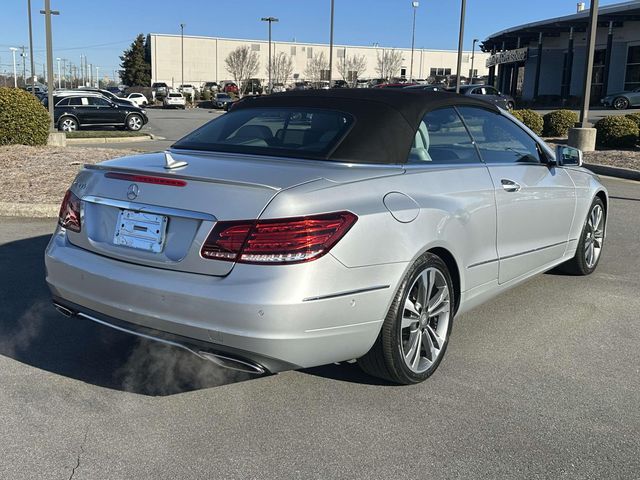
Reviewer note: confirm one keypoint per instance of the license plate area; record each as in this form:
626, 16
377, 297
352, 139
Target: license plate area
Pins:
140, 230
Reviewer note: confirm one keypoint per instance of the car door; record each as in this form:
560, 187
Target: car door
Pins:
455, 186
80, 107
493, 96
105, 112
535, 201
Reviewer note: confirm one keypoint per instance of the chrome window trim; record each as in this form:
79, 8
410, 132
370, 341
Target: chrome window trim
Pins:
141, 207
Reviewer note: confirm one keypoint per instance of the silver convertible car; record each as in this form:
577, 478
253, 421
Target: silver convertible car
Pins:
312, 227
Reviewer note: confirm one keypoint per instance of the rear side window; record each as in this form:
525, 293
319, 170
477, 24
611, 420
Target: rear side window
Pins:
442, 138
499, 139
294, 132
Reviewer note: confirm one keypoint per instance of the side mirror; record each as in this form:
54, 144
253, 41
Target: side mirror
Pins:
568, 156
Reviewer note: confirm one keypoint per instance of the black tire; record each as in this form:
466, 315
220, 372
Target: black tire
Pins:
68, 124
131, 123
620, 103
578, 264
385, 360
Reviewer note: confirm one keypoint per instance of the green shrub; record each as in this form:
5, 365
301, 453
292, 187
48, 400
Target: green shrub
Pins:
558, 123
23, 119
617, 131
531, 119
187, 97
635, 117
206, 95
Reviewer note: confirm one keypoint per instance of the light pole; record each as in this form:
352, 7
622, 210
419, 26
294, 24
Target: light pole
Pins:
47, 12
588, 67
82, 69
473, 55
270, 20
98, 76
182, 25
463, 8
15, 74
33, 68
331, 46
59, 75
415, 6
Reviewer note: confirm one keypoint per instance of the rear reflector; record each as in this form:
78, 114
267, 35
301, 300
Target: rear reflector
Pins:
69, 216
169, 182
277, 242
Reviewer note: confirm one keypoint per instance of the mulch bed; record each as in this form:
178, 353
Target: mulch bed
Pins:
43, 174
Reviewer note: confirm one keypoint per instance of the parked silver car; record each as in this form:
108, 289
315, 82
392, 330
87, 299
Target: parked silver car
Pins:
313, 227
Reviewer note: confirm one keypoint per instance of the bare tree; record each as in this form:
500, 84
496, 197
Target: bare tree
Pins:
352, 68
282, 68
316, 66
242, 64
389, 62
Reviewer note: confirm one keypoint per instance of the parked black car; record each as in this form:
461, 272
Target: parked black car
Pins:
252, 86
221, 100
488, 94
72, 112
109, 95
340, 84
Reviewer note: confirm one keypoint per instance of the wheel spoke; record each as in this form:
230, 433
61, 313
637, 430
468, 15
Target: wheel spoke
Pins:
410, 307
429, 349
413, 355
437, 304
437, 341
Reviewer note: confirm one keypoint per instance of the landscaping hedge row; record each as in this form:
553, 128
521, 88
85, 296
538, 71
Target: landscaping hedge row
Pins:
618, 131
23, 119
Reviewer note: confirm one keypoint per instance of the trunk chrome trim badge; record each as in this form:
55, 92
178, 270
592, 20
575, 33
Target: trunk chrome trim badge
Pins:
171, 162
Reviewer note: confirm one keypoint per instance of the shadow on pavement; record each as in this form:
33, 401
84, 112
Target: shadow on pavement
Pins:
346, 372
34, 333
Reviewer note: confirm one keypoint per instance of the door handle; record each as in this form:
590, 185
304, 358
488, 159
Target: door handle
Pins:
510, 185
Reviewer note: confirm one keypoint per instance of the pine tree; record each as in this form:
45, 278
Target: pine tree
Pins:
136, 67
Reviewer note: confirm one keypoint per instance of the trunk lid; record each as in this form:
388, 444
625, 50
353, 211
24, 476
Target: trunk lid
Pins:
179, 217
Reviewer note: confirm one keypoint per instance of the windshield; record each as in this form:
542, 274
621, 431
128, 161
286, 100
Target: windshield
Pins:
293, 132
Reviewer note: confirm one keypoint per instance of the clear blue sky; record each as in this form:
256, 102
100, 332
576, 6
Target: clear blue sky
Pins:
103, 29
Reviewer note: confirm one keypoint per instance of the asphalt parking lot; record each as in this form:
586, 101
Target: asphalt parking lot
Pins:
542, 382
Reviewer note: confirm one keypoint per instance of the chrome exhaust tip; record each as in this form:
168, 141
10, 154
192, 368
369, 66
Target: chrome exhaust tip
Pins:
64, 310
232, 363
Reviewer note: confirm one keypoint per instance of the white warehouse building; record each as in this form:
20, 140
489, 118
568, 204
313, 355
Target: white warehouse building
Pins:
204, 59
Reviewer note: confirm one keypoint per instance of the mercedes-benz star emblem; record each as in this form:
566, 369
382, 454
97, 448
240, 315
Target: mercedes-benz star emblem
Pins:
132, 191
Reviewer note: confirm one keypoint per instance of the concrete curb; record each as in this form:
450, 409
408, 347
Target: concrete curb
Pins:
81, 141
34, 210
616, 172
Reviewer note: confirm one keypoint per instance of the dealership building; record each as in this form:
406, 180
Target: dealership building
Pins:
204, 59
545, 61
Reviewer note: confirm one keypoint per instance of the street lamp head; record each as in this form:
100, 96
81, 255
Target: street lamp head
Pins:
415, 4
269, 19
13, 49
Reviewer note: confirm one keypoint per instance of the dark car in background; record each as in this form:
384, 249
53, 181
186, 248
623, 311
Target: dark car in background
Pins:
159, 90
110, 95
89, 109
488, 94
220, 100
622, 100
252, 86
340, 84
424, 87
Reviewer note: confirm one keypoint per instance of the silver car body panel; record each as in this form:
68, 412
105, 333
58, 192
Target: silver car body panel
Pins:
330, 309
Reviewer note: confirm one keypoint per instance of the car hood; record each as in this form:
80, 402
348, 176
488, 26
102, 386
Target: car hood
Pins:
617, 94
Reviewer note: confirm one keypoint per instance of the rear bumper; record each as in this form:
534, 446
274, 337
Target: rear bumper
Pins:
281, 317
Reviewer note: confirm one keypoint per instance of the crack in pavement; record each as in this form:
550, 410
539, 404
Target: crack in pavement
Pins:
84, 441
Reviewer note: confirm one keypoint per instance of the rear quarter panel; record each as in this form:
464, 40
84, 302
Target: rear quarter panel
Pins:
456, 212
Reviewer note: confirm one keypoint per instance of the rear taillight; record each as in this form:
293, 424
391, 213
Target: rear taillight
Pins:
281, 241
69, 216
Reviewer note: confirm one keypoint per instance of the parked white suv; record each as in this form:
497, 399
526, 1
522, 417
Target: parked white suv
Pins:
174, 100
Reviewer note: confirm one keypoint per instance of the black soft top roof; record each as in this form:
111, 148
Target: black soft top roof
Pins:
386, 120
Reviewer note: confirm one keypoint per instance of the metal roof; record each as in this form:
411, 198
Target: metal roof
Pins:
618, 13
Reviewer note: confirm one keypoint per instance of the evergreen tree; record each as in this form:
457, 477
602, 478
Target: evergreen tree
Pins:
136, 66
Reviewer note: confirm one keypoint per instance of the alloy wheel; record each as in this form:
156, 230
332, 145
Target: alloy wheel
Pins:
620, 103
425, 320
135, 123
594, 236
69, 125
